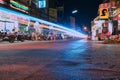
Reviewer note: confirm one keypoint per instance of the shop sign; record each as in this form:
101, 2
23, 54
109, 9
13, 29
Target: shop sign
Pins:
18, 6
4, 15
103, 13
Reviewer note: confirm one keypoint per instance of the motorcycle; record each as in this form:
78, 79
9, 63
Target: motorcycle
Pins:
7, 37
11, 37
21, 37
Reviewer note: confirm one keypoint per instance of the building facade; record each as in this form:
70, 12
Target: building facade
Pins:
24, 16
107, 22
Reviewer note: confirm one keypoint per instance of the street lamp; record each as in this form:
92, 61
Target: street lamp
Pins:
73, 19
85, 28
75, 11
87, 31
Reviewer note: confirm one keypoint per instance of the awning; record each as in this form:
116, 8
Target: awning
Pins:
6, 21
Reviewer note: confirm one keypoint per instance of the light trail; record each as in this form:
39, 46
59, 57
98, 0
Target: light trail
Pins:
60, 28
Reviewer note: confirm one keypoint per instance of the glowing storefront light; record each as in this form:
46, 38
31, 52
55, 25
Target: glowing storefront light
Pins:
64, 29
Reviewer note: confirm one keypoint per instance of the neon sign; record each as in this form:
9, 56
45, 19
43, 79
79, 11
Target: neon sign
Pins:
18, 6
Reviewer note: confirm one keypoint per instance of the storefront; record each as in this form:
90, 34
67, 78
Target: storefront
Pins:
97, 28
23, 24
116, 20
7, 23
10, 21
108, 23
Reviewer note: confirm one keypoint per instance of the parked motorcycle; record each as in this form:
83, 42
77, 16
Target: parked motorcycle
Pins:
7, 37
11, 37
21, 37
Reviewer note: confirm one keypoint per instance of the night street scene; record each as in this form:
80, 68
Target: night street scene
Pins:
59, 39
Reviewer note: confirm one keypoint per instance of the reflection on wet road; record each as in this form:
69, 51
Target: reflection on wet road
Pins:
72, 60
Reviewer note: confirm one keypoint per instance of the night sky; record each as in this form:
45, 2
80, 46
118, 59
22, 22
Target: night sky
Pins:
87, 10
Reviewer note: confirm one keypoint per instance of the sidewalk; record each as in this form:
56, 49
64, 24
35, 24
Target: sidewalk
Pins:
30, 41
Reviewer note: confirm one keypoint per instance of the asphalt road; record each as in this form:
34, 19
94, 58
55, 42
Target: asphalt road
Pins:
59, 60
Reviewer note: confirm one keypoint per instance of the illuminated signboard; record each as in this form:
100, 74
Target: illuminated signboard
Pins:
104, 13
42, 3
18, 6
